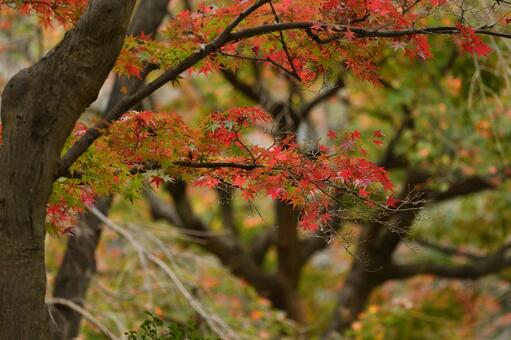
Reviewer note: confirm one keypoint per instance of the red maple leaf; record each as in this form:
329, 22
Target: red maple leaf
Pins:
391, 202
274, 192
157, 180
378, 134
362, 192
331, 134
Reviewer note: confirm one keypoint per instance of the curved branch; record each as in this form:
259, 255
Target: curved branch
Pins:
83, 312
467, 186
321, 97
491, 263
447, 250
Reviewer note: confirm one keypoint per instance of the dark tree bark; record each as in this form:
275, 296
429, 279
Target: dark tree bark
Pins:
353, 298
40, 106
79, 264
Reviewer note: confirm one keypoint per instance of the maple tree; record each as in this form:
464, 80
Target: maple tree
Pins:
303, 39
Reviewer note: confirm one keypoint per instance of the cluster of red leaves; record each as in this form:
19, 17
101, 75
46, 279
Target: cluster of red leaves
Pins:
216, 152
300, 52
64, 12
471, 43
63, 210
334, 21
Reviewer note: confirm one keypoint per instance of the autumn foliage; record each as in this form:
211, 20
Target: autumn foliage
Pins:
159, 147
64, 12
305, 39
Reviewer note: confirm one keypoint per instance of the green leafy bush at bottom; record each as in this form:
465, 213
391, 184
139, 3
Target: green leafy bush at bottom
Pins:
156, 329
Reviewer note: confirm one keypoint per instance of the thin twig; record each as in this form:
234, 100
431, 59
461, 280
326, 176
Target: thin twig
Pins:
77, 308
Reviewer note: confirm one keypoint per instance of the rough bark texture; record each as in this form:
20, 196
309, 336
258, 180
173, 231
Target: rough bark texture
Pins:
40, 106
79, 265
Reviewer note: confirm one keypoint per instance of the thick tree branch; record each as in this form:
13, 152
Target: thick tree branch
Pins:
491, 263
447, 250
359, 32
468, 186
289, 265
262, 243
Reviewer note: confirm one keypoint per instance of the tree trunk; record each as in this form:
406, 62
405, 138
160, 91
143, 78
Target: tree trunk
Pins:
40, 106
353, 298
287, 296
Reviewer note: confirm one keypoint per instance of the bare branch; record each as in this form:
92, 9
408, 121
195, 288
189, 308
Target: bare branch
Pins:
489, 264
359, 32
447, 250
468, 186
322, 97
87, 315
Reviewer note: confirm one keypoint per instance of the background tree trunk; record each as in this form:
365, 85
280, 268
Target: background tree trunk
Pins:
353, 298
75, 273
287, 296
377, 244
